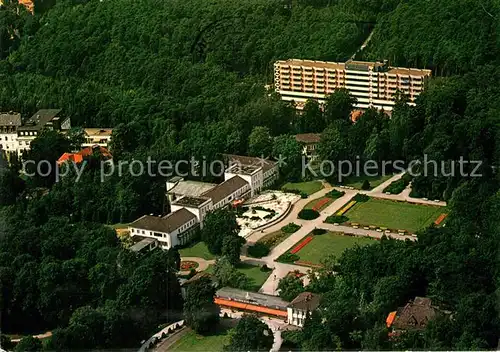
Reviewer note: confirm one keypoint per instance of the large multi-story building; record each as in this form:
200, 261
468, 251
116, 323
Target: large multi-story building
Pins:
374, 84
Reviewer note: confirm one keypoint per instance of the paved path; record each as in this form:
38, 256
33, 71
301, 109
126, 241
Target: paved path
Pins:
202, 263
280, 270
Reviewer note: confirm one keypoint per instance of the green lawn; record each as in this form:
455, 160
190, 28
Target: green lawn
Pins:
309, 187
357, 181
253, 272
312, 203
327, 244
197, 250
394, 215
191, 341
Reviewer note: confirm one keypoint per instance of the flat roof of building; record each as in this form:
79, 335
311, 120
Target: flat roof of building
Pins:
190, 188
308, 138
139, 246
266, 164
225, 189
98, 131
243, 169
10, 119
190, 201
255, 298
353, 65
165, 224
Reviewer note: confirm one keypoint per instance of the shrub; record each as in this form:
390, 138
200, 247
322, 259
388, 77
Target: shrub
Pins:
318, 232
361, 198
264, 268
308, 214
303, 195
366, 185
290, 228
336, 219
258, 250
334, 194
396, 187
288, 257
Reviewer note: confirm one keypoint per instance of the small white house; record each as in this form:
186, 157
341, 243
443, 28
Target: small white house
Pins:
302, 305
175, 229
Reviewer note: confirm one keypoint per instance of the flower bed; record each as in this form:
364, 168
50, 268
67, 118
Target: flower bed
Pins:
305, 263
188, 265
296, 273
301, 244
346, 208
440, 219
320, 204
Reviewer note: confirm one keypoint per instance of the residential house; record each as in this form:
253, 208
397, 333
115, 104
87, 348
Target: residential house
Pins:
301, 306
309, 142
41, 120
415, 315
9, 123
97, 136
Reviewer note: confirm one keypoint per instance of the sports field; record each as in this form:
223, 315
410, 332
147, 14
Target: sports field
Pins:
393, 215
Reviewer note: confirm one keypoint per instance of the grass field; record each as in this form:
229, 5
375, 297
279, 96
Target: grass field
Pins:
312, 203
393, 215
327, 244
309, 187
256, 276
191, 341
197, 250
357, 181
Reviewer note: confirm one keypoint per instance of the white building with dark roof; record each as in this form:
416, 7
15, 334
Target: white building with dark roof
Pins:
9, 123
175, 229
302, 305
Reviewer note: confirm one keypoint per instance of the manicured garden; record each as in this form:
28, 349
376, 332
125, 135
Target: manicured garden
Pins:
199, 250
263, 246
393, 215
398, 186
308, 187
314, 248
191, 341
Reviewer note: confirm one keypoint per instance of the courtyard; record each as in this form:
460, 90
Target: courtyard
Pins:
393, 215
263, 209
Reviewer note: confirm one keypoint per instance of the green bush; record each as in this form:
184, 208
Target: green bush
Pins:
334, 194
319, 232
288, 257
290, 228
258, 250
336, 219
398, 186
264, 268
361, 198
308, 214
303, 195
366, 185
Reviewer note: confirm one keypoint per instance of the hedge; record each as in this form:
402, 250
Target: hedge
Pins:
308, 214
288, 257
334, 194
290, 228
361, 198
336, 219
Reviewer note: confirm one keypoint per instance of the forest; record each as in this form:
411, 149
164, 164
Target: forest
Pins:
186, 78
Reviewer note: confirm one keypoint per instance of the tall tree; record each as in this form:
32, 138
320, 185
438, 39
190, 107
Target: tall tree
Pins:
260, 142
200, 311
250, 335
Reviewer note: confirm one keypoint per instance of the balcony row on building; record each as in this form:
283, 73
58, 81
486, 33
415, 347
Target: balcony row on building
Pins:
191, 201
16, 134
374, 84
